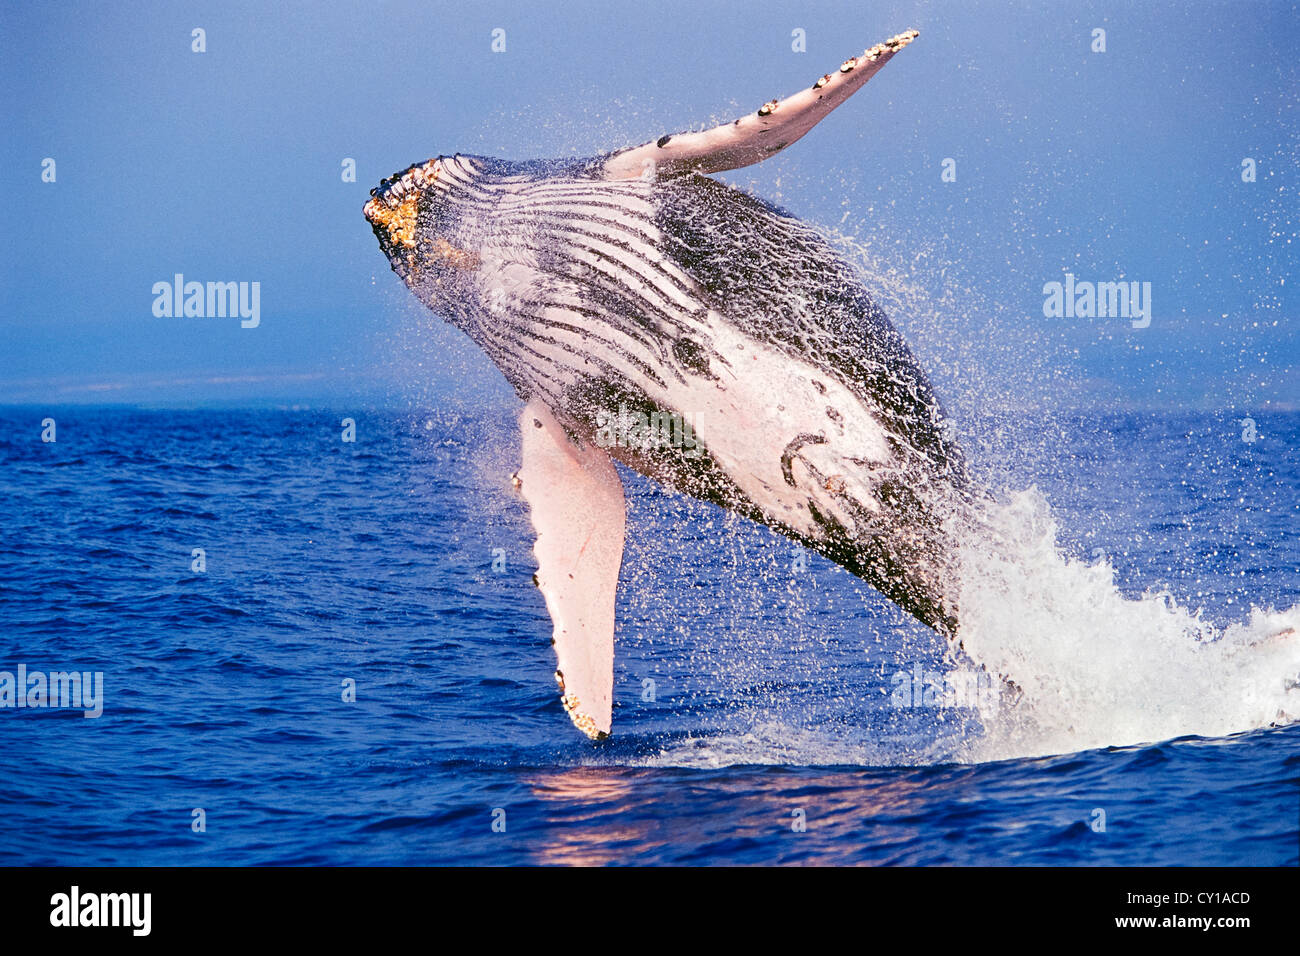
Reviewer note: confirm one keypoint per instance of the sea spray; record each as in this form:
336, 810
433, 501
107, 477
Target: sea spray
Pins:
1093, 668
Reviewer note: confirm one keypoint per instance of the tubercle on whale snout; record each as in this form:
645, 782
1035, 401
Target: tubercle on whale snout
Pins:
394, 204
394, 212
394, 189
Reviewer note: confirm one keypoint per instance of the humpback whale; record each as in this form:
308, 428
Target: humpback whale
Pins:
649, 314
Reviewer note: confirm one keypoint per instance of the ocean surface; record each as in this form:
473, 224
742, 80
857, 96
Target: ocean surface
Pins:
770, 708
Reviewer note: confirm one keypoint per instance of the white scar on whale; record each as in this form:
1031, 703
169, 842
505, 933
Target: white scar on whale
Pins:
632, 280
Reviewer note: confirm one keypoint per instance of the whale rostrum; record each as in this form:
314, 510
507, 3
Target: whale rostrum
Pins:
651, 315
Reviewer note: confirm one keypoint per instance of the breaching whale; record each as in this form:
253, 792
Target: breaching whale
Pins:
648, 314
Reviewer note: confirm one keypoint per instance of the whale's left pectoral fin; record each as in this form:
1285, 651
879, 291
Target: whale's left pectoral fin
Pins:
758, 135
576, 500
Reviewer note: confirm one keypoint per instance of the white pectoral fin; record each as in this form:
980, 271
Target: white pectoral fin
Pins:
576, 501
758, 135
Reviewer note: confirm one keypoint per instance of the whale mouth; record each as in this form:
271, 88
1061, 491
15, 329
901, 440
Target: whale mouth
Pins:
394, 203
394, 211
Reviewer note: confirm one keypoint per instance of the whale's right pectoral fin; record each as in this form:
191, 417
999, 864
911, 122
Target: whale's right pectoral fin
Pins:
758, 135
578, 512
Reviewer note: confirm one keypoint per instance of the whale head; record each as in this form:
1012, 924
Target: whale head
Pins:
415, 221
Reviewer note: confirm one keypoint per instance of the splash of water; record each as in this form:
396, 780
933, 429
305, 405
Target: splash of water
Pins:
1081, 664
1093, 668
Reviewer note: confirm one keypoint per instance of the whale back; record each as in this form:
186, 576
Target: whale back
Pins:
780, 281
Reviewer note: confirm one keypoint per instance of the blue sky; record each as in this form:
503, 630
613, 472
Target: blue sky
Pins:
225, 166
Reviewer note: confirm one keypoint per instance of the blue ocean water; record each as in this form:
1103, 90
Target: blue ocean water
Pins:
758, 717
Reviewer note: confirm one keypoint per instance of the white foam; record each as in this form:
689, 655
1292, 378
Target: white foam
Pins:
1096, 668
